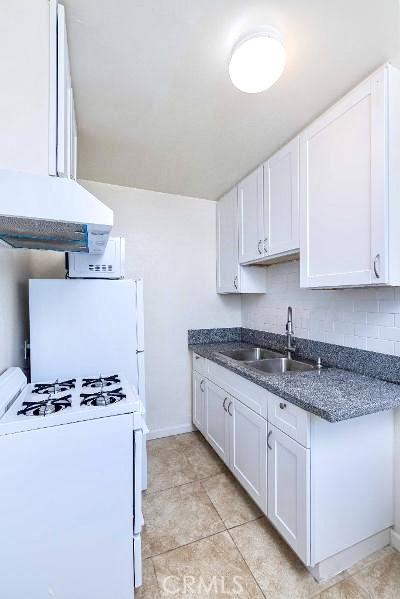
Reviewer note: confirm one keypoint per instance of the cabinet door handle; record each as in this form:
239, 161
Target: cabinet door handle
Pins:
235, 282
223, 405
265, 245
282, 406
376, 271
268, 437
259, 246
202, 385
197, 357
229, 409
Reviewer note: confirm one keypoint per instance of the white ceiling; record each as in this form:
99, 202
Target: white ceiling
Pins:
156, 108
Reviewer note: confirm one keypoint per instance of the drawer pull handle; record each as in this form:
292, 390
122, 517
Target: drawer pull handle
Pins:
282, 406
268, 437
259, 246
376, 271
229, 409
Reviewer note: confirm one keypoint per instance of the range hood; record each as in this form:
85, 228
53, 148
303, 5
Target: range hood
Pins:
51, 213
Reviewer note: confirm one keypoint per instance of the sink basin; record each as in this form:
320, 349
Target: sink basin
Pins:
250, 354
280, 365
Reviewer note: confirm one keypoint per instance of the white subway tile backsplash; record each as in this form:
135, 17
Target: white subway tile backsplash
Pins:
390, 333
382, 319
389, 307
380, 345
366, 318
366, 330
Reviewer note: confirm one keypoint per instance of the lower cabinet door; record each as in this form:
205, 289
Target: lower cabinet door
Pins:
248, 455
217, 420
198, 400
289, 490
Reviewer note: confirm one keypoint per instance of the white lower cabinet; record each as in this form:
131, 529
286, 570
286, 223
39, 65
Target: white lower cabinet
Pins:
198, 400
326, 487
248, 459
289, 490
217, 420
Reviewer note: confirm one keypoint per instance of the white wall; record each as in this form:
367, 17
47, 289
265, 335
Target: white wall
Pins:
171, 244
14, 272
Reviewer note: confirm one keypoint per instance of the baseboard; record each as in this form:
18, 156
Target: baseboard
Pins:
339, 562
395, 539
170, 431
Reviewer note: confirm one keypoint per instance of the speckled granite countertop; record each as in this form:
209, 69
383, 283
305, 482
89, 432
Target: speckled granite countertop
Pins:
332, 393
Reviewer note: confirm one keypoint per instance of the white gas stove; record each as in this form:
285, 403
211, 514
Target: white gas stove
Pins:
63, 401
71, 484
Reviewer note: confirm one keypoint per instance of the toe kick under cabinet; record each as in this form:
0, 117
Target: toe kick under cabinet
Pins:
326, 487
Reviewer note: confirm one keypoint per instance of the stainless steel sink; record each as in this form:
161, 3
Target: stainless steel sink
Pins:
280, 365
250, 354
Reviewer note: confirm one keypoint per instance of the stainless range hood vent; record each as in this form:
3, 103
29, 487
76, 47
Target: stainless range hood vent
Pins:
50, 213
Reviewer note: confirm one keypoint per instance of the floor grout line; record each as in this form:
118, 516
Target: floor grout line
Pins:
147, 492
245, 561
213, 534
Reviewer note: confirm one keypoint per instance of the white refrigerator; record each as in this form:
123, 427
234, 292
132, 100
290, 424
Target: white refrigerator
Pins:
87, 327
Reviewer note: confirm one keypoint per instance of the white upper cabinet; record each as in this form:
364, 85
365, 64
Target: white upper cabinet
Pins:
231, 277
349, 184
269, 208
281, 201
251, 231
66, 122
227, 243
38, 131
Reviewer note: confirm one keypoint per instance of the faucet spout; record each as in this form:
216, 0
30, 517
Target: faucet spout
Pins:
290, 347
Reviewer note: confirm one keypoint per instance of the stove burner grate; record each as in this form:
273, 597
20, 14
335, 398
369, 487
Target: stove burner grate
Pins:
56, 387
101, 381
46, 406
102, 398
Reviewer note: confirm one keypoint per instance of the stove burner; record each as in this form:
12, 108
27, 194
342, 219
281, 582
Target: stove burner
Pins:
102, 398
101, 381
45, 407
56, 387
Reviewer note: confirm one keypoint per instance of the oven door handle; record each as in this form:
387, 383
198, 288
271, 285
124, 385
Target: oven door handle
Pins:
138, 440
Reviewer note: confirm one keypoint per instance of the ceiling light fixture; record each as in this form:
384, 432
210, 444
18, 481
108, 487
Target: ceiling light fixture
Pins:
257, 61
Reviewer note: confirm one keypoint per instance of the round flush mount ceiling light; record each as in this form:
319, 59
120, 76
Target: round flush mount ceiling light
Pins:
257, 61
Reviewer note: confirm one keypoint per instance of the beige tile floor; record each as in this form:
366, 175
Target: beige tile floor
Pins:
205, 538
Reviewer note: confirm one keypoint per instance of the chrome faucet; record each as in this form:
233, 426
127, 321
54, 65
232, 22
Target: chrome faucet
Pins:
290, 347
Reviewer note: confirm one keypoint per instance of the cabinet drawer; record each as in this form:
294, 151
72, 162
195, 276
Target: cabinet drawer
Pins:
290, 419
251, 395
200, 364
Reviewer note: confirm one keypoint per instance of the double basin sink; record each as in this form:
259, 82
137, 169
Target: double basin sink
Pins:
267, 361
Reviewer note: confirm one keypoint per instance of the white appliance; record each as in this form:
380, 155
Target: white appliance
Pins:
86, 328
110, 265
80, 327
70, 466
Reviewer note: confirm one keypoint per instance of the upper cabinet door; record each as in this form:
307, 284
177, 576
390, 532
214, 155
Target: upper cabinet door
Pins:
63, 97
342, 191
227, 243
251, 228
281, 200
